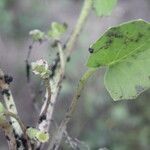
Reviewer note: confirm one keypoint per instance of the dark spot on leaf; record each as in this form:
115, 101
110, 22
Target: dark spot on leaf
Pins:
137, 40
121, 97
109, 41
115, 34
139, 89
131, 40
140, 35
134, 56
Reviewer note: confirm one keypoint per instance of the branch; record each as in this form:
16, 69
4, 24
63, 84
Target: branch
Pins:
44, 109
23, 127
80, 24
56, 81
11, 107
9, 101
8, 130
74, 143
52, 90
57, 137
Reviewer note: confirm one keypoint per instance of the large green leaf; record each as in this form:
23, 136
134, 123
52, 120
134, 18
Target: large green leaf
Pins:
125, 50
104, 7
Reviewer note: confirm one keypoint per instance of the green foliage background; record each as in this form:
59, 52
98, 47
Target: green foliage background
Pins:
99, 121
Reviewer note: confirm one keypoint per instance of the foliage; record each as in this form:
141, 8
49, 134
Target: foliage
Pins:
104, 7
35, 134
37, 35
40, 68
103, 123
125, 51
57, 30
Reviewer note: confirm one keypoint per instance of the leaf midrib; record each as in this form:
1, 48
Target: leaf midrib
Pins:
129, 54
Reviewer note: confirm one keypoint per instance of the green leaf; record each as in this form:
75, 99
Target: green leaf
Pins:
104, 7
40, 67
42, 137
125, 50
57, 30
37, 35
36, 134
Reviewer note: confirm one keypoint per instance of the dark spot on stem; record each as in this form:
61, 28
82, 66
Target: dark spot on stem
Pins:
10, 122
64, 46
10, 107
8, 139
6, 92
28, 68
18, 143
24, 142
68, 116
43, 117
52, 104
8, 78
30, 47
54, 65
78, 96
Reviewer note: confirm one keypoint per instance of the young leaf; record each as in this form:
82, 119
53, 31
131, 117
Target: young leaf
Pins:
125, 49
36, 134
37, 35
57, 30
104, 7
40, 68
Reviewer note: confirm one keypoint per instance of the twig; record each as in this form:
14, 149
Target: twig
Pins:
11, 107
47, 102
23, 127
55, 82
8, 130
62, 61
75, 144
80, 24
57, 137
9, 101
52, 90
7, 113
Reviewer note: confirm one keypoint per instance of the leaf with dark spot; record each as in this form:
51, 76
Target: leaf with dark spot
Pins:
125, 50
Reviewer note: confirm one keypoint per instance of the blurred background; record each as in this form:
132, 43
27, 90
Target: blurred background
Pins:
98, 121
